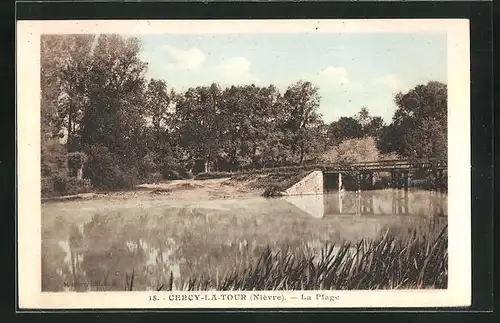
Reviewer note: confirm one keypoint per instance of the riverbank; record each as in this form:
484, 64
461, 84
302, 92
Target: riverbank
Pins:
188, 189
237, 186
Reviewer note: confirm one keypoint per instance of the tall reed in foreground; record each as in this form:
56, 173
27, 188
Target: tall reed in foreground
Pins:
415, 261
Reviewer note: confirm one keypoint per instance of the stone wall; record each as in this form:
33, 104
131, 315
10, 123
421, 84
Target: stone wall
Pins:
310, 185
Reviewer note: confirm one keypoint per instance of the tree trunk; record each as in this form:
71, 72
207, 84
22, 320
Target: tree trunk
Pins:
206, 166
301, 156
79, 173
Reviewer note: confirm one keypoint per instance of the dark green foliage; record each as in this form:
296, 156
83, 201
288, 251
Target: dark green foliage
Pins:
105, 170
59, 184
419, 127
76, 161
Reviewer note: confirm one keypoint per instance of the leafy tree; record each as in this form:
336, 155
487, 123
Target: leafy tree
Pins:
199, 124
96, 103
157, 102
344, 128
159, 126
375, 127
419, 127
302, 104
114, 118
363, 117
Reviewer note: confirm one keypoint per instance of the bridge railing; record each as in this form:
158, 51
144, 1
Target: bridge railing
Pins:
369, 165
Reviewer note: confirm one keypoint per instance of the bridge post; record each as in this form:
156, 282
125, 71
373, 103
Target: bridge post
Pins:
367, 205
405, 178
395, 179
405, 202
394, 201
358, 180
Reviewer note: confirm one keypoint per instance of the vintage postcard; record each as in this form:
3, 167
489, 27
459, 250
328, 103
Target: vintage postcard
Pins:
243, 164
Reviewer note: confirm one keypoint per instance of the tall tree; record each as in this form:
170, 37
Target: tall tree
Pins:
113, 120
419, 127
157, 102
114, 115
364, 118
302, 104
63, 59
344, 128
199, 123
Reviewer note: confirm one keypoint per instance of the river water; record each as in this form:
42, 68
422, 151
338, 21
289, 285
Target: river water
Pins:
97, 245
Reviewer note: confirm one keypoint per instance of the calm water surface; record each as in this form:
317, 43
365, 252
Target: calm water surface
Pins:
97, 244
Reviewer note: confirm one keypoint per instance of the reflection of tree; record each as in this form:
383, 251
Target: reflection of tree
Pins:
100, 257
53, 274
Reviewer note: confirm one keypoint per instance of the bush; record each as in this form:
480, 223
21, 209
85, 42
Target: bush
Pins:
172, 175
47, 187
154, 178
212, 175
176, 173
60, 184
75, 161
273, 191
106, 171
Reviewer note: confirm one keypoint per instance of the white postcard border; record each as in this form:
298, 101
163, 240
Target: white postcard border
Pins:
28, 169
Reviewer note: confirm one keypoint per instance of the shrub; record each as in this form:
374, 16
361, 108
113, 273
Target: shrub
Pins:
148, 167
47, 187
212, 175
75, 161
60, 184
106, 171
176, 173
273, 191
172, 175
154, 177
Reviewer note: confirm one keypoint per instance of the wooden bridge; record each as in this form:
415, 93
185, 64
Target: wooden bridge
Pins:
401, 171
387, 166
360, 176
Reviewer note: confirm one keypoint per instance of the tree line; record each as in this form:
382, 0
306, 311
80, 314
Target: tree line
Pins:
104, 122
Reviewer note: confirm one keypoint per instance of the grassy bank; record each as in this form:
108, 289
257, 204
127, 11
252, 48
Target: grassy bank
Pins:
414, 262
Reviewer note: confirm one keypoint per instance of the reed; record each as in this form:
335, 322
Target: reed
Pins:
388, 262
417, 260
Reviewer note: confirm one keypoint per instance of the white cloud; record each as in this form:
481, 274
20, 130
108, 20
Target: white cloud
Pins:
235, 70
334, 87
333, 75
190, 59
393, 82
328, 77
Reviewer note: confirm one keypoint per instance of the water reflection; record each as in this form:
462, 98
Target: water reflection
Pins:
387, 202
163, 244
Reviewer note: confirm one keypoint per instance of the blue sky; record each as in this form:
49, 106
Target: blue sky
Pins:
351, 70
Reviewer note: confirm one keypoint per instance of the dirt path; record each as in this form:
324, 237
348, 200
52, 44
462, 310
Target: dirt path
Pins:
192, 190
